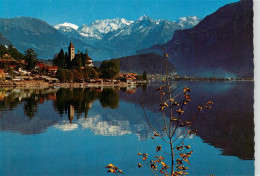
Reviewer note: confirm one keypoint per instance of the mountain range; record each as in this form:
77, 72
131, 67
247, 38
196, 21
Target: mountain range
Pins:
120, 37
221, 45
103, 39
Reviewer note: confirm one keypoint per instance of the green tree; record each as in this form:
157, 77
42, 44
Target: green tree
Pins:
69, 76
77, 62
61, 75
14, 53
78, 76
144, 77
60, 59
3, 50
90, 72
139, 77
109, 69
83, 58
30, 58
67, 61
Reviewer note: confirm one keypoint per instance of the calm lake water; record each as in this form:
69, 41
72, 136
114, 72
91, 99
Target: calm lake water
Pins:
65, 132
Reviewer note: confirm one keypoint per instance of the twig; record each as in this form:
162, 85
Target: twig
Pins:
152, 126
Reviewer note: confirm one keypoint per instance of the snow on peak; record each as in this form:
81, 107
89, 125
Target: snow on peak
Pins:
188, 21
120, 26
66, 25
99, 27
144, 17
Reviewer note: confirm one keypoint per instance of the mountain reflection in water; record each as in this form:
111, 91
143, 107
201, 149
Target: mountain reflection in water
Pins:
228, 126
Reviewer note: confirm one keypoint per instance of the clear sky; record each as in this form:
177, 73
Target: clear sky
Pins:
85, 11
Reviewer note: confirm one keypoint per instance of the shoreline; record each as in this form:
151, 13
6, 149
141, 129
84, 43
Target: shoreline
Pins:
44, 84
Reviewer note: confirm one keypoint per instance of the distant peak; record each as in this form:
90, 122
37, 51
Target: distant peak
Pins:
188, 21
66, 24
144, 17
188, 18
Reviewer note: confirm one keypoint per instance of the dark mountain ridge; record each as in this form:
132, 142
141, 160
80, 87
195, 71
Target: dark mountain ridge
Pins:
221, 45
151, 63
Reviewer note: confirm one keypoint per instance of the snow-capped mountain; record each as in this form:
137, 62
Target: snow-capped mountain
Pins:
100, 27
120, 37
188, 22
66, 27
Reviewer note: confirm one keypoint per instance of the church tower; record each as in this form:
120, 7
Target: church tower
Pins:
71, 51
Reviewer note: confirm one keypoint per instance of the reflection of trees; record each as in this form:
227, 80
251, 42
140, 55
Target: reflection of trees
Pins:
77, 98
11, 98
109, 98
10, 101
81, 99
30, 106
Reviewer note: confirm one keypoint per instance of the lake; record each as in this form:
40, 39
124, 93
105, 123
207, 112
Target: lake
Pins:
65, 132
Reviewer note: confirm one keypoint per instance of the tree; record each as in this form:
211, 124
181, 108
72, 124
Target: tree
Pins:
84, 58
90, 72
61, 75
60, 59
109, 69
77, 61
69, 76
78, 76
3, 50
144, 77
30, 58
176, 129
14, 53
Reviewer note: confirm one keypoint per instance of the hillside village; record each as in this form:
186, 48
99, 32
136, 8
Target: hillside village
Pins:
68, 69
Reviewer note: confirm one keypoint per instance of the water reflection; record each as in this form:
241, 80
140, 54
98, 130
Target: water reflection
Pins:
115, 112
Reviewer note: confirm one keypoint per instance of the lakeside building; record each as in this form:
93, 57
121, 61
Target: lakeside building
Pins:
72, 55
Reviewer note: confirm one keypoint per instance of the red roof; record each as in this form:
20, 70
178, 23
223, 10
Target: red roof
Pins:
71, 45
53, 68
40, 64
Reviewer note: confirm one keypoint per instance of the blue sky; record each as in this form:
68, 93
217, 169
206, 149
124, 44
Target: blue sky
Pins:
85, 11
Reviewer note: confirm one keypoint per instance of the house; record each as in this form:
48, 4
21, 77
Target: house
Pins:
129, 78
24, 72
51, 69
7, 60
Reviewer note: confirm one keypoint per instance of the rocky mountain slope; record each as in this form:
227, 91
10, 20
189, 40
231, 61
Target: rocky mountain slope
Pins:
221, 45
25, 32
4, 41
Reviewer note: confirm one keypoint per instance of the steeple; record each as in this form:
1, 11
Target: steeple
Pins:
71, 45
71, 51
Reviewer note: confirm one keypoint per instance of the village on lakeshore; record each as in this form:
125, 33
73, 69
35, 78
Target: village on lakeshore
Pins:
67, 69
72, 69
